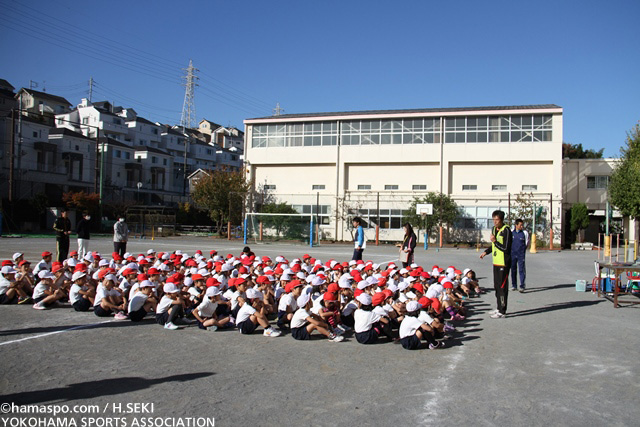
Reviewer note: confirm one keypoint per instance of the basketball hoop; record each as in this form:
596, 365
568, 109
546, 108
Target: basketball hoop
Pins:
424, 209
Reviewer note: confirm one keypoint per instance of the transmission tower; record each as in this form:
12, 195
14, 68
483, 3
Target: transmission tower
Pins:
278, 111
189, 107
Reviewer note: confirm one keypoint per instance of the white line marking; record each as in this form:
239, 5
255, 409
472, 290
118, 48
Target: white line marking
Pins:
56, 332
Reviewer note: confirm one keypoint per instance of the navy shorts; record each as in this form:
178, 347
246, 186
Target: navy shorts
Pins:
162, 318
367, 337
82, 305
138, 315
6, 300
282, 318
247, 327
412, 342
101, 312
300, 333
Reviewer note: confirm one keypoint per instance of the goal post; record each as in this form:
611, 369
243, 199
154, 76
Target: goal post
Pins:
279, 227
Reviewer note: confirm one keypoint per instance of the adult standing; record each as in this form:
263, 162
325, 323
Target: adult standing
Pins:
120, 236
501, 240
408, 246
518, 252
62, 227
84, 234
358, 239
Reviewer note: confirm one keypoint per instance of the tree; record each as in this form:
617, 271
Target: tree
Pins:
81, 201
222, 194
579, 220
291, 227
624, 191
445, 212
576, 151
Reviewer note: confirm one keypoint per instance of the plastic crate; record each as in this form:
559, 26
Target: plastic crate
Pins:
581, 285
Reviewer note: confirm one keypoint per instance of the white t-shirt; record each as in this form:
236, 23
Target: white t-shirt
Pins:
466, 280
409, 326
164, 304
193, 293
102, 292
74, 293
245, 312
125, 285
299, 318
207, 308
42, 265
4, 285
287, 300
363, 320
425, 318
349, 308
380, 311
137, 301
40, 289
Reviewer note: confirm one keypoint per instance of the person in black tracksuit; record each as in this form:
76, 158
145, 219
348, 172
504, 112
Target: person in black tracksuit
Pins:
501, 241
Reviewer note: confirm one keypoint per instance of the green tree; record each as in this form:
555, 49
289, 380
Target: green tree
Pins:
289, 226
579, 220
624, 191
445, 212
221, 194
576, 151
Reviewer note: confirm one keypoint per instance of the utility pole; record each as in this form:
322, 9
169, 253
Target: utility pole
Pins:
12, 154
32, 84
19, 154
278, 111
188, 114
91, 82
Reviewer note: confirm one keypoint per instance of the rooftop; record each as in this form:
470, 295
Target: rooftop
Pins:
45, 95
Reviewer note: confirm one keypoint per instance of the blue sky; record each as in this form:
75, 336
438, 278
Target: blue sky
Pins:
336, 56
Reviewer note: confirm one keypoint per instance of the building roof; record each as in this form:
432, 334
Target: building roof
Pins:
151, 150
45, 95
142, 120
115, 143
408, 111
214, 125
6, 84
68, 132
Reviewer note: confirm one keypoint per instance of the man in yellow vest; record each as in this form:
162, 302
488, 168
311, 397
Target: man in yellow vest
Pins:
501, 239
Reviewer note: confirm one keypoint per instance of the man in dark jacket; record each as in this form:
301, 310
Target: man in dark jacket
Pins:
84, 235
501, 240
62, 227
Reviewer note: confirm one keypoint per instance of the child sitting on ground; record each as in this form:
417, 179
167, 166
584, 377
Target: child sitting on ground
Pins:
304, 322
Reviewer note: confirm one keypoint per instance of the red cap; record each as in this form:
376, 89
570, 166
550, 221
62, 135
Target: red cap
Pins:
305, 256
263, 280
197, 277
199, 252
7, 262
212, 281
382, 281
388, 293
143, 262
330, 296
457, 272
414, 273
378, 298
266, 259
240, 281
152, 270
292, 284
296, 268
231, 281
333, 287
128, 271
23, 262
46, 253
418, 287
56, 268
243, 270
425, 302
425, 274
448, 285
357, 292
368, 267
72, 253
213, 252
142, 277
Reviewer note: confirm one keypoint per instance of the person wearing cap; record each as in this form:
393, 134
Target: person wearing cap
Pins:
329, 312
84, 234
287, 305
367, 324
206, 314
358, 239
62, 227
142, 301
25, 278
469, 280
12, 291
170, 309
304, 322
252, 313
408, 245
109, 299
120, 236
45, 294
413, 330
80, 294
501, 240
44, 263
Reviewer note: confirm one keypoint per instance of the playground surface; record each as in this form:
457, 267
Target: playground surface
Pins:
561, 357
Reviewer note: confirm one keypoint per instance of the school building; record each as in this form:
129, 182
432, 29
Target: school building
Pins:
374, 163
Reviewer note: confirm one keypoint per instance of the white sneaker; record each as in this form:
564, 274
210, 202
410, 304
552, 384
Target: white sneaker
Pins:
171, 326
344, 327
338, 331
38, 306
497, 315
270, 332
337, 338
494, 312
212, 328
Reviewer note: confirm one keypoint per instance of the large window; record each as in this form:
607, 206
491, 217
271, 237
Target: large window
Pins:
598, 182
381, 132
295, 134
389, 218
517, 128
323, 213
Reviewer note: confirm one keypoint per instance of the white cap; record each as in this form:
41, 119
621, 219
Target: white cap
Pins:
110, 277
362, 284
371, 280
301, 275
403, 285
393, 287
7, 269
72, 262
178, 252
413, 306
17, 255
410, 295
317, 281
466, 270
170, 288
103, 262
165, 256
404, 271
147, 284
303, 299
78, 275
344, 281
188, 281
44, 274
151, 251
414, 265
226, 267
252, 293
365, 299
285, 277
126, 255
212, 291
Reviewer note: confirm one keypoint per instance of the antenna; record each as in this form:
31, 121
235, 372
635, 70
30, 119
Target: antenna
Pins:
277, 111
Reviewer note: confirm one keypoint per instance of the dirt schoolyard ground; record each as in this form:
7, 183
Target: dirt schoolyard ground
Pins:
561, 357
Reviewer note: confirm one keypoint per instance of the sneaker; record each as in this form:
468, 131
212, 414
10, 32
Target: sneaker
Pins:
25, 300
497, 315
38, 306
212, 328
121, 316
170, 326
270, 332
184, 321
458, 317
449, 328
438, 344
521, 290
514, 289
337, 338
338, 331
344, 327
494, 312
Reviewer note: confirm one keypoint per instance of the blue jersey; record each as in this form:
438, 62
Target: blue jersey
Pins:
520, 243
359, 238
